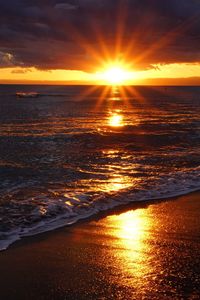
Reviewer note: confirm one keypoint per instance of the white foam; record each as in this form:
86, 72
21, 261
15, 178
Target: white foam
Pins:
81, 208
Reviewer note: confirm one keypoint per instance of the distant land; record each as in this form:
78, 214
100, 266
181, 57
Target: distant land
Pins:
190, 81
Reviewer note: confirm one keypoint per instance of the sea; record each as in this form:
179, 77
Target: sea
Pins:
76, 151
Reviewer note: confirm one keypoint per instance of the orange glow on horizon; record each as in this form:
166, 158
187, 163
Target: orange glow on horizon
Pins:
110, 75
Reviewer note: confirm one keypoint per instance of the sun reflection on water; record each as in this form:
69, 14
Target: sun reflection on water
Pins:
116, 120
118, 182
115, 183
130, 231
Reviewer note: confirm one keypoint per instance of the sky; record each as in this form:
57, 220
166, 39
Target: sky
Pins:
74, 40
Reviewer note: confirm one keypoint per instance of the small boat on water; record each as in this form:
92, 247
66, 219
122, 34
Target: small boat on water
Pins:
27, 94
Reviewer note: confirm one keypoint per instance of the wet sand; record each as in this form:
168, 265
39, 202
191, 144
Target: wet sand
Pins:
146, 253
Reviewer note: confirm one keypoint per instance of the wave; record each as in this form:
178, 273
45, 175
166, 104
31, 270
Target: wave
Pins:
76, 205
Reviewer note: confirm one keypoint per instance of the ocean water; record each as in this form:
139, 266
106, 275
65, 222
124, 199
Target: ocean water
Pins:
77, 150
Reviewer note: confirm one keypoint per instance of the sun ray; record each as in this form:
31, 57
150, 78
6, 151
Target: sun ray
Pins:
124, 96
120, 28
88, 91
102, 97
138, 97
167, 39
103, 46
86, 45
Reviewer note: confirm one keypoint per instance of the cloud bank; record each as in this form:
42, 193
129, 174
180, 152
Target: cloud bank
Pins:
80, 34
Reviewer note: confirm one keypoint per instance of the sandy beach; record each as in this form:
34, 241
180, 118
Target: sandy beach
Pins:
151, 252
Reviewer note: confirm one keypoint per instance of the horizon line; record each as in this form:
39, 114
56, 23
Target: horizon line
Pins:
184, 81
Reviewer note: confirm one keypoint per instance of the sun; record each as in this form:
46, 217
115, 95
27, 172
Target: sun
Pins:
114, 74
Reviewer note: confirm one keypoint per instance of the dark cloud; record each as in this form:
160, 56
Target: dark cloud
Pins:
78, 34
66, 6
21, 71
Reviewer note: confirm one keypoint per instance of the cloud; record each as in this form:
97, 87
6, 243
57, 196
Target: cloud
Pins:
79, 34
66, 6
21, 71
6, 59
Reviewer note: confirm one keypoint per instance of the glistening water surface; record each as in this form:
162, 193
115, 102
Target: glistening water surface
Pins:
75, 151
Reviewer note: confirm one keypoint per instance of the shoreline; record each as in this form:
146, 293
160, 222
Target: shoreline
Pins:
138, 253
118, 209
149, 253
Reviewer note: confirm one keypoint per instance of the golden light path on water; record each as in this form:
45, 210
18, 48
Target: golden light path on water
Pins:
116, 120
117, 181
130, 230
131, 252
